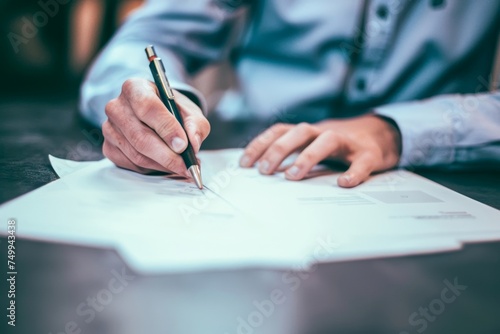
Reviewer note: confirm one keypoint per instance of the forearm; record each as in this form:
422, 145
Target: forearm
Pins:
187, 35
450, 131
121, 61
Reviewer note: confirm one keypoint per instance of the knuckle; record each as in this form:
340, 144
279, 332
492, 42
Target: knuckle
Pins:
332, 136
252, 149
138, 159
128, 87
262, 140
138, 140
106, 150
250, 152
110, 152
205, 126
307, 157
306, 128
146, 105
303, 125
278, 128
165, 128
106, 129
197, 123
143, 144
267, 137
279, 148
111, 108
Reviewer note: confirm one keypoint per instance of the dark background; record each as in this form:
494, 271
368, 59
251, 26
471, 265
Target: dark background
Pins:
54, 47
46, 48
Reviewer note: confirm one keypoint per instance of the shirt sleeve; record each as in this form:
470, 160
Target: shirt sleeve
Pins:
187, 35
449, 130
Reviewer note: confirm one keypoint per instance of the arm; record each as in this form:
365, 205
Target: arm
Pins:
448, 131
188, 35
443, 131
451, 131
139, 132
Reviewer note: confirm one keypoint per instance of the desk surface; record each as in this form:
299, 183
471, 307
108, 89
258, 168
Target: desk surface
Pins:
31, 130
372, 296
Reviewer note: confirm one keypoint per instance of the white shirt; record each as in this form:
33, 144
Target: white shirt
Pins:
425, 64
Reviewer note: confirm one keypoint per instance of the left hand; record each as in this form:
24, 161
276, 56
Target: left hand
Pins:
367, 144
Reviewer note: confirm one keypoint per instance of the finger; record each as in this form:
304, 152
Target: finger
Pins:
259, 145
195, 123
118, 140
325, 145
140, 154
141, 138
297, 137
118, 158
141, 95
360, 169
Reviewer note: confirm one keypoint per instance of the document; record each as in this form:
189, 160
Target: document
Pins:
242, 219
64, 167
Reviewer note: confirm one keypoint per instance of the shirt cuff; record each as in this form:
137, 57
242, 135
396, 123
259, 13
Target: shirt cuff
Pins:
427, 136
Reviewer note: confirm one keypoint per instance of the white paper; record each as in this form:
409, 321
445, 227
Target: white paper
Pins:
242, 219
64, 167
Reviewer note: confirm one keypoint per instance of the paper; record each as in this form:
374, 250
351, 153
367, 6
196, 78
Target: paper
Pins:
64, 167
242, 219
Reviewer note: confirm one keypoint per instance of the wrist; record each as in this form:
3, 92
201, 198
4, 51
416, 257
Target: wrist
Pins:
390, 138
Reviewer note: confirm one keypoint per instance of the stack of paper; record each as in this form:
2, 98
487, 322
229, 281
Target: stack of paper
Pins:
242, 219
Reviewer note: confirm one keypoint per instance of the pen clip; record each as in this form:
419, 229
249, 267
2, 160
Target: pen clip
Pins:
163, 78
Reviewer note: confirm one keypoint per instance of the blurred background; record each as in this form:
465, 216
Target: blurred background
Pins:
50, 43
47, 46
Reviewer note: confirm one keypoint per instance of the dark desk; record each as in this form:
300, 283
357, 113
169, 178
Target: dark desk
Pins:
371, 296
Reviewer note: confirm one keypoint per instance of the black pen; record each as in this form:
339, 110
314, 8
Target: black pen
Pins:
168, 99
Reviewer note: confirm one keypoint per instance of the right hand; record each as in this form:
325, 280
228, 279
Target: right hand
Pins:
140, 133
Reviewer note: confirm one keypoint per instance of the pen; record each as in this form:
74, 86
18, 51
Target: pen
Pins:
168, 99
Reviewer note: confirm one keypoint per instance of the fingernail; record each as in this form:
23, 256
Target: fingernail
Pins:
264, 166
178, 145
293, 171
245, 161
347, 178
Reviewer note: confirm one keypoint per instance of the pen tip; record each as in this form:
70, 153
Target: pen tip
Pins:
196, 174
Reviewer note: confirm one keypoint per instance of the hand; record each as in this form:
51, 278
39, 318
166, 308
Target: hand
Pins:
367, 143
140, 133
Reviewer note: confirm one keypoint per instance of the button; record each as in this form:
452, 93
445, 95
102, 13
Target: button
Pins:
361, 84
382, 12
437, 4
